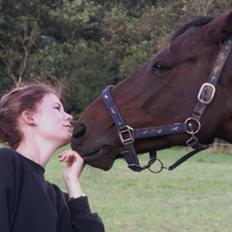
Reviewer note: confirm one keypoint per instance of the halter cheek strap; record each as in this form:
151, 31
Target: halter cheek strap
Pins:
191, 125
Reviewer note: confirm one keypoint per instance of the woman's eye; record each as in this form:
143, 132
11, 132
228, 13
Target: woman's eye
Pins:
57, 108
160, 68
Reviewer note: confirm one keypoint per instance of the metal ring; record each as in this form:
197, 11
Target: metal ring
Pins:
161, 167
188, 122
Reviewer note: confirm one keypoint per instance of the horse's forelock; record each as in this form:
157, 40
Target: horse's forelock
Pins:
200, 21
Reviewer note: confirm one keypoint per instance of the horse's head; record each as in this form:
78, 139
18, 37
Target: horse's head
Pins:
163, 91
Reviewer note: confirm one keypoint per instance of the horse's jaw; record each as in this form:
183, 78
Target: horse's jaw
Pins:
102, 157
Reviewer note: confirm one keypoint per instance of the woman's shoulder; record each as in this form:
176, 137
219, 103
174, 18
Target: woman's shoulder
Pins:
7, 154
7, 165
10, 161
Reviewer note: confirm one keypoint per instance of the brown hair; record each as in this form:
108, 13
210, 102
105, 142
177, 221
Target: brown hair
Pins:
12, 104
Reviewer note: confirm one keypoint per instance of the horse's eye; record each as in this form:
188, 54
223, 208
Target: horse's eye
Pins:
160, 68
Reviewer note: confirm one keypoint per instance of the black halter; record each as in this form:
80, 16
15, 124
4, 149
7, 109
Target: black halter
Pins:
191, 125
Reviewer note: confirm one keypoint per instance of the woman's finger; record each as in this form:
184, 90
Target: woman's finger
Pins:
62, 157
70, 157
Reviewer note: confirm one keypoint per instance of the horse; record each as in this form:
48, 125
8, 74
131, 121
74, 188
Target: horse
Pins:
180, 97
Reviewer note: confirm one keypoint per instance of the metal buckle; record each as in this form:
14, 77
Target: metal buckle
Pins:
206, 93
126, 135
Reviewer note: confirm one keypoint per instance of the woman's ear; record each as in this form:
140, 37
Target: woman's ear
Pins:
27, 118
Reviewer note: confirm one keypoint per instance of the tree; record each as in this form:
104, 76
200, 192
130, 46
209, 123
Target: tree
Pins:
205, 7
20, 35
16, 52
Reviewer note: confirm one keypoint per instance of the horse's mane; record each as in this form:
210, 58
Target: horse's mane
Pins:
200, 21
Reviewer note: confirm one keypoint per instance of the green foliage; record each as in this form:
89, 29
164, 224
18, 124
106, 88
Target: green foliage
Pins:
81, 67
78, 20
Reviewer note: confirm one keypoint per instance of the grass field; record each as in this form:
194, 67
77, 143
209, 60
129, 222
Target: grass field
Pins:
196, 197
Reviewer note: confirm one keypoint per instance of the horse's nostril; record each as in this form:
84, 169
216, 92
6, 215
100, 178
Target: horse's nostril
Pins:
79, 131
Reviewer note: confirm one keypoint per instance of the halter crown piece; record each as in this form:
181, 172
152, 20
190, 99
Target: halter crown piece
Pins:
191, 125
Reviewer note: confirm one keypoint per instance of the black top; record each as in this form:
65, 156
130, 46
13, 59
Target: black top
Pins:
28, 203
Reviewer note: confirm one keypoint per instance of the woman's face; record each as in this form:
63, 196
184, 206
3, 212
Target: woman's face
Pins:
52, 122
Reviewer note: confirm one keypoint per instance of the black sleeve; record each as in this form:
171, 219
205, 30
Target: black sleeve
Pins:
81, 217
4, 224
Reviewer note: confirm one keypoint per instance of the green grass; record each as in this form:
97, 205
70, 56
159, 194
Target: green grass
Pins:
196, 197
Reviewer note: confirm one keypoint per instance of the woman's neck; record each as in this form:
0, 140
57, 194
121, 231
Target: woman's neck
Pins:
38, 151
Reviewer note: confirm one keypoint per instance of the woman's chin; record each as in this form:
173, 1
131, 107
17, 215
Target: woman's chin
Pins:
65, 141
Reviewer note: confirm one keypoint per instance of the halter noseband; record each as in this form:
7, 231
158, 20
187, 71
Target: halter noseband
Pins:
191, 125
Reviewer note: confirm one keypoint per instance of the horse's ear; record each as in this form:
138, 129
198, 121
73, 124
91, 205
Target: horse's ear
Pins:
220, 28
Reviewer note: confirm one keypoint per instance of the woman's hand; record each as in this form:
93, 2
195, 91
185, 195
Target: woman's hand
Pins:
72, 172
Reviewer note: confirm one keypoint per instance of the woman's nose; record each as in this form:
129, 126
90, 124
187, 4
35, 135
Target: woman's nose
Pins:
68, 117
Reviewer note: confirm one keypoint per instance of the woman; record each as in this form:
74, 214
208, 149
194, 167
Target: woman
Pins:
34, 124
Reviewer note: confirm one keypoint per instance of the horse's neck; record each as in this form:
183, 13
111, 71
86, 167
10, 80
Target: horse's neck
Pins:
224, 130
